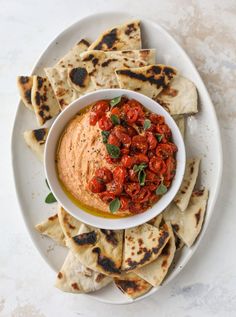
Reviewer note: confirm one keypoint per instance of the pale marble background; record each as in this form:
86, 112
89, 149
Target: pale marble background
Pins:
207, 286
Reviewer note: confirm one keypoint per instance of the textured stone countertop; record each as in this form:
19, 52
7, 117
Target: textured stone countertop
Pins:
207, 285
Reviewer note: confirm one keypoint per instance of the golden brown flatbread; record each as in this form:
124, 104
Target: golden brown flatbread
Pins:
122, 37
148, 80
36, 139
25, 84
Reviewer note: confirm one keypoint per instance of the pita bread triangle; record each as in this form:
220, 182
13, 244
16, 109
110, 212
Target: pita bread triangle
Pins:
74, 277
190, 176
142, 245
69, 78
51, 228
24, 84
36, 139
122, 37
148, 80
155, 272
99, 249
179, 97
188, 224
132, 285
69, 225
43, 100
101, 65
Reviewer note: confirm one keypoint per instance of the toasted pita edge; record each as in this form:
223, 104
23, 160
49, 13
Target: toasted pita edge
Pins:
36, 139
24, 84
51, 227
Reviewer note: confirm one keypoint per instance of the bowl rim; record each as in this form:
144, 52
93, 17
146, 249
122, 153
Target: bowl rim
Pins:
50, 167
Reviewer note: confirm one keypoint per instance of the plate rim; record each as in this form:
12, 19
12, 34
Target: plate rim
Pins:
217, 131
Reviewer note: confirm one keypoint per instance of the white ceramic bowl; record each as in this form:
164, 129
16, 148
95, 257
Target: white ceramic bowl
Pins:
50, 166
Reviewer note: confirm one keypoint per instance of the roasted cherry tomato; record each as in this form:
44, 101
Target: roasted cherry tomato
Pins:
153, 199
143, 195
152, 186
157, 165
112, 139
164, 130
112, 160
170, 168
107, 197
124, 151
151, 177
136, 208
104, 174
141, 158
131, 131
152, 141
95, 185
136, 105
133, 176
139, 144
119, 174
105, 123
114, 188
101, 106
163, 151
124, 202
132, 189
115, 111
127, 161
121, 134
156, 119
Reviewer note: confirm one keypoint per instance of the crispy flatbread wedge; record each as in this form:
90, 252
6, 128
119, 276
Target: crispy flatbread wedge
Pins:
122, 37
155, 272
190, 176
148, 80
132, 285
69, 225
51, 228
74, 277
69, 77
101, 65
24, 84
142, 245
188, 224
99, 249
43, 100
179, 97
36, 139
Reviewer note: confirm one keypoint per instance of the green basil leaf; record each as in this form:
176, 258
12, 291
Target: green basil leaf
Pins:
113, 150
141, 177
115, 101
50, 199
147, 124
159, 137
105, 135
46, 181
161, 189
139, 167
114, 205
115, 119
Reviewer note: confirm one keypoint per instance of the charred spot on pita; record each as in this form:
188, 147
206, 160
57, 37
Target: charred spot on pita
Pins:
107, 40
86, 238
28, 95
83, 41
197, 216
59, 275
107, 264
24, 79
39, 82
126, 286
53, 217
39, 135
79, 76
110, 236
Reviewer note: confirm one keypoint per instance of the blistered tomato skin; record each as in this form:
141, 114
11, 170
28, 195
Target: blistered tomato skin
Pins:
141, 155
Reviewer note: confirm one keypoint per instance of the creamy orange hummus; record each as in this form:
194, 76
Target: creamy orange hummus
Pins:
80, 153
